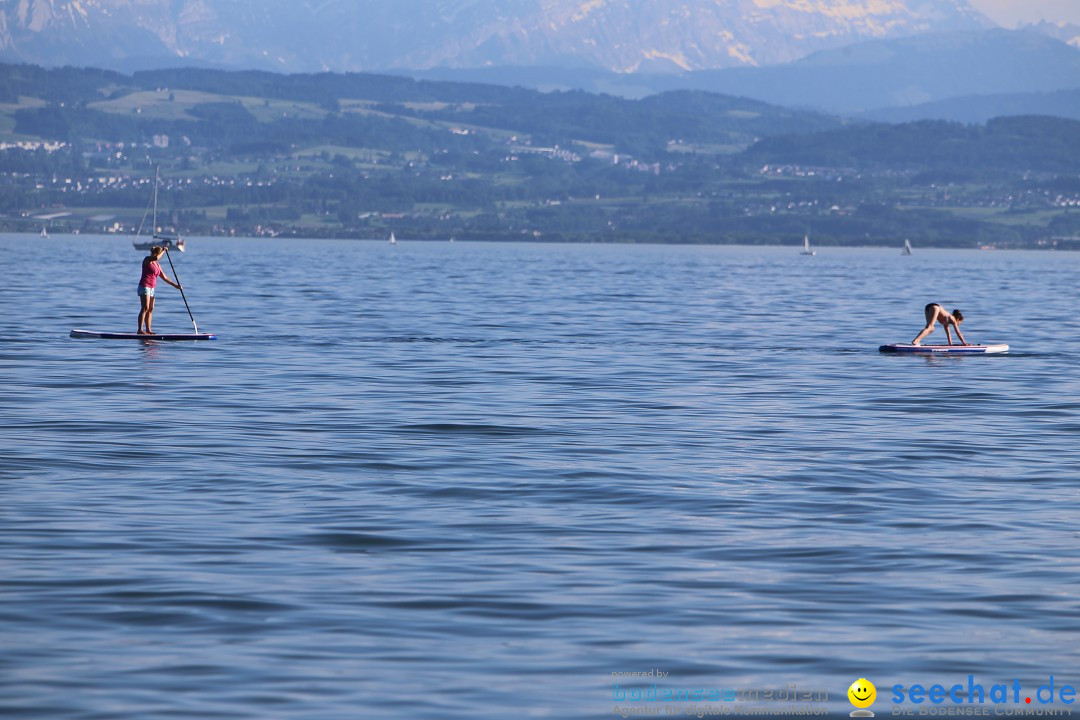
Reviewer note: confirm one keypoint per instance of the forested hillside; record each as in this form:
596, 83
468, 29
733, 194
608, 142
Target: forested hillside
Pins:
358, 155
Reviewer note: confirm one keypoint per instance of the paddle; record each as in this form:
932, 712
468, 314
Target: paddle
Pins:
173, 268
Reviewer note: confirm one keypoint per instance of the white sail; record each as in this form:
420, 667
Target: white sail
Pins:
173, 244
907, 247
806, 246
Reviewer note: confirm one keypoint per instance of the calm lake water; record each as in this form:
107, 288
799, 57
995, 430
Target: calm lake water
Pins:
457, 480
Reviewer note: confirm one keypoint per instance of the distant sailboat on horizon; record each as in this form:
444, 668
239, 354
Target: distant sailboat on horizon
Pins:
806, 246
907, 247
177, 243
44, 233
393, 240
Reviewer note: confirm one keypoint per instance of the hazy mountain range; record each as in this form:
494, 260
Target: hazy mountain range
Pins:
839, 56
1066, 32
622, 36
907, 71
995, 72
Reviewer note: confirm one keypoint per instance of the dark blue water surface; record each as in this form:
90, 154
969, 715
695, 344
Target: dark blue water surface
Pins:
457, 480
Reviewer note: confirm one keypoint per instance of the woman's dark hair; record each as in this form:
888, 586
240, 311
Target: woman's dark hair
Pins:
958, 315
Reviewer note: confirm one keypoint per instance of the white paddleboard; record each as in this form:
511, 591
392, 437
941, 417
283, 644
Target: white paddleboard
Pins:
136, 336
945, 349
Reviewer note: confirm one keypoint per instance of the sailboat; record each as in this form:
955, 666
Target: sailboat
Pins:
393, 240
44, 233
907, 247
176, 243
806, 246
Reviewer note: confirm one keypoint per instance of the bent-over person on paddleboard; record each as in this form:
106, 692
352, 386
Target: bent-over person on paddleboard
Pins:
151, 271
937, 314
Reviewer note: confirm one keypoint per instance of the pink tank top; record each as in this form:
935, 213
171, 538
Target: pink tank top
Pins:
150, 271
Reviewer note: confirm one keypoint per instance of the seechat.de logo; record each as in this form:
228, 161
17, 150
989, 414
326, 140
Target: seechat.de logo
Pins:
862, 694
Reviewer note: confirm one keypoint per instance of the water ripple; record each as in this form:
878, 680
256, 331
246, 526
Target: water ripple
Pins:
474, 480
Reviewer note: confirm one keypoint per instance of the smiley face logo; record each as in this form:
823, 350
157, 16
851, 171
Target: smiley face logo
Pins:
862, 693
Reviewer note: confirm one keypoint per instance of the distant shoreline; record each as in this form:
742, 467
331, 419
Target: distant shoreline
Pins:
1063, 244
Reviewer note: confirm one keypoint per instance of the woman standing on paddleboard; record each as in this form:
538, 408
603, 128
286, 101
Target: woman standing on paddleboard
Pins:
936, 313
151, 271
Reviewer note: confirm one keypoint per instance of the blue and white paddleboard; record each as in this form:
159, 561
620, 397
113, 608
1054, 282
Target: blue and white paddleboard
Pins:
945, 349
136, 336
